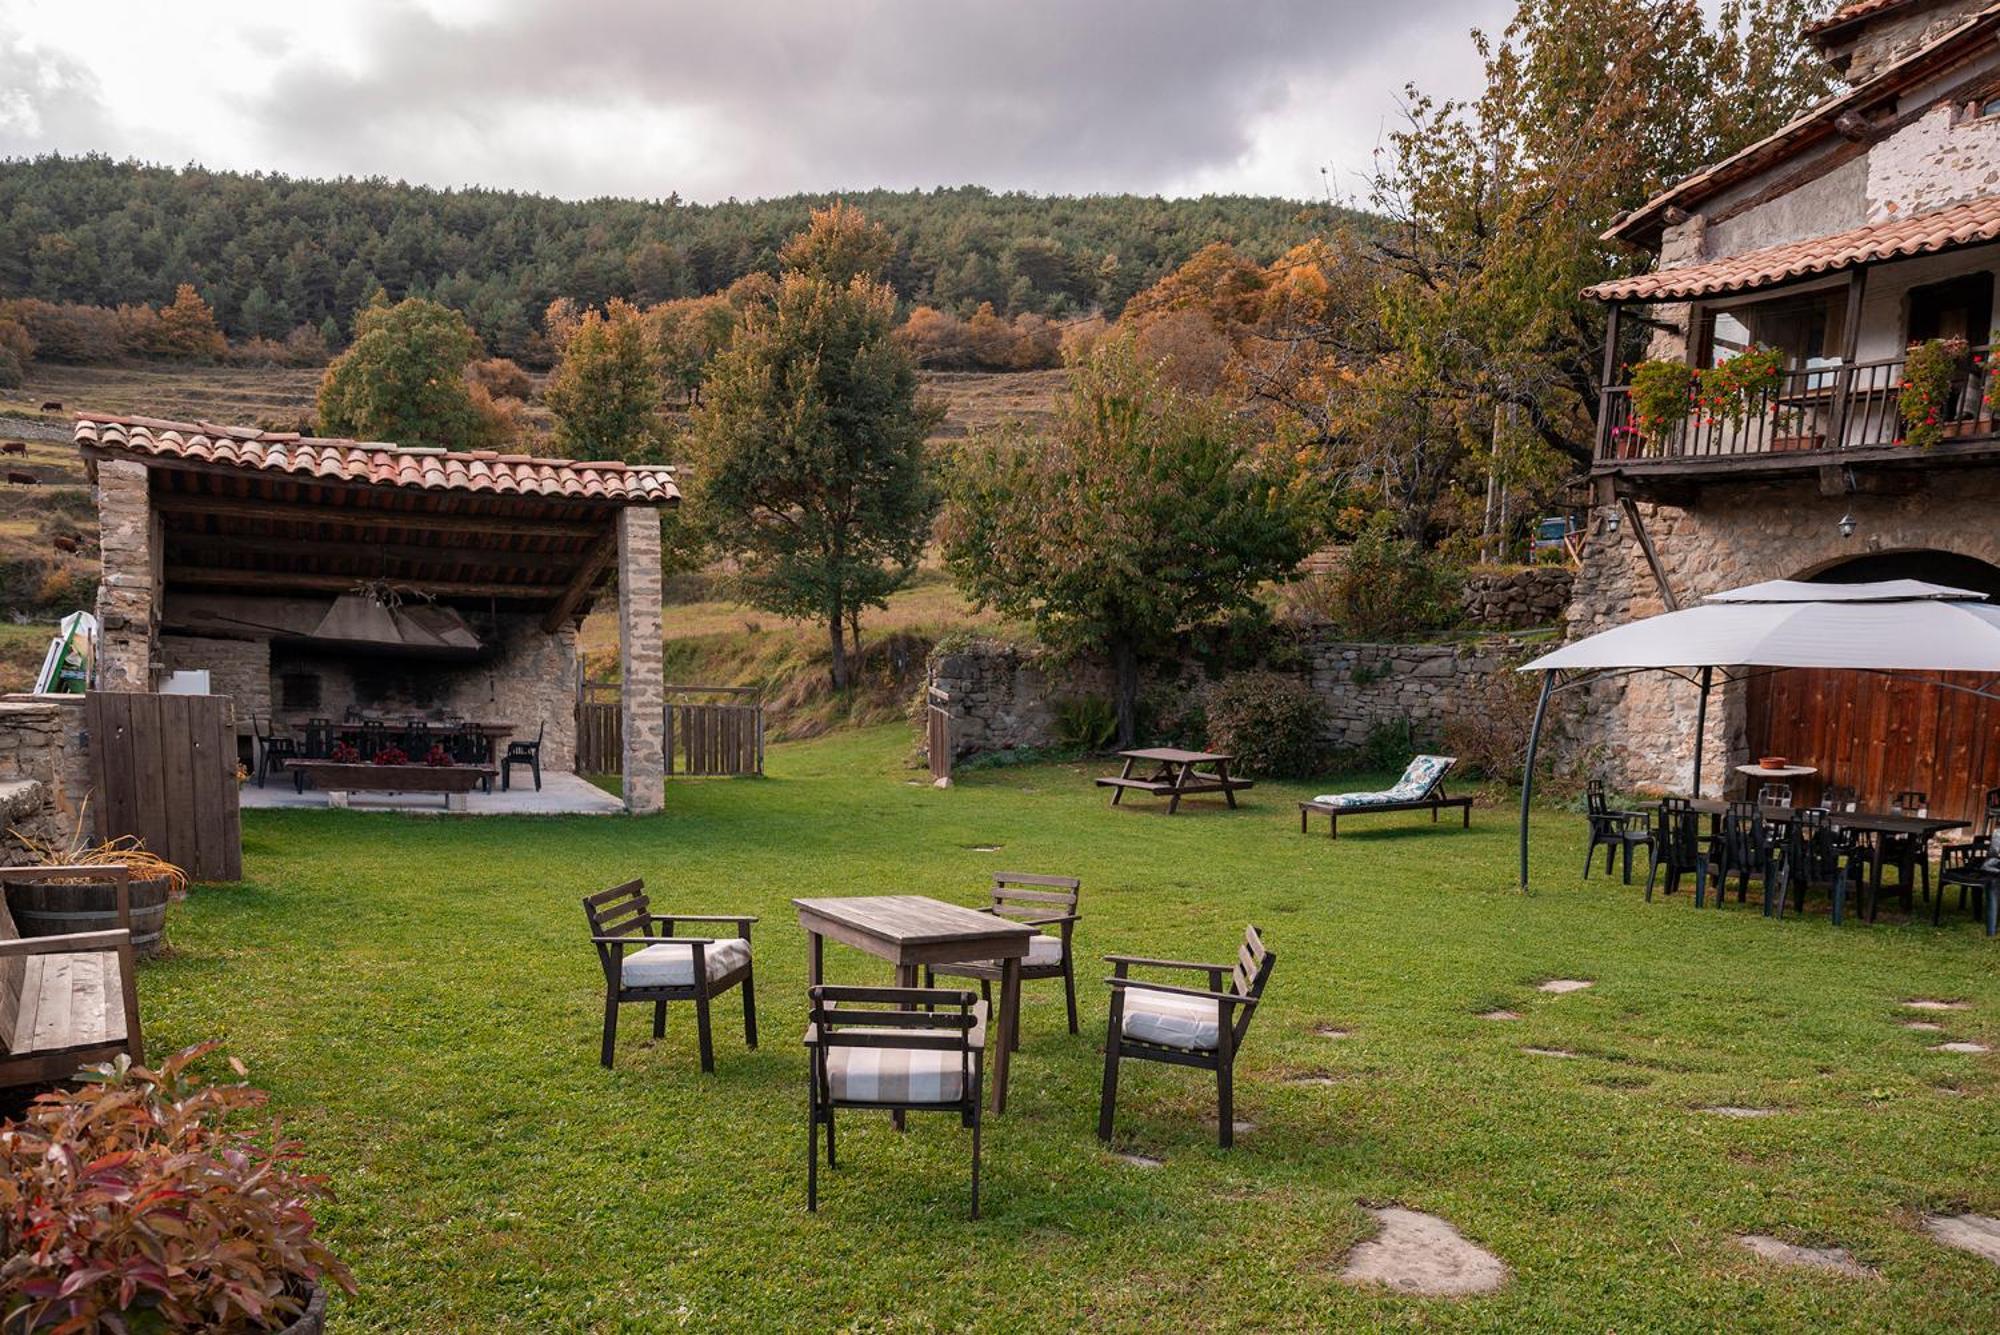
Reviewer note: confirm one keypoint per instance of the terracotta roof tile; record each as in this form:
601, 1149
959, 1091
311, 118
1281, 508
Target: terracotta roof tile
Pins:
1924, 234
378, 463
1852, 10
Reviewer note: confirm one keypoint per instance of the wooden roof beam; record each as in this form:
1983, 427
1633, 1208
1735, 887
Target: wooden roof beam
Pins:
212, 544
292, 512
582, 582
270, 580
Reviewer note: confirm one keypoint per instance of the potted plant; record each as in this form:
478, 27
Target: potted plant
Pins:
1931, 371
1662, 395
132, 1204
1727, 391
89, 904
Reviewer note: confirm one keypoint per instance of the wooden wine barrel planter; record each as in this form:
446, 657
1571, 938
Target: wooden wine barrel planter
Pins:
312, 1321
45, 909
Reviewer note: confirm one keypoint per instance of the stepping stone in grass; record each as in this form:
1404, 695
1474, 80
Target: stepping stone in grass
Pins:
1975, 1233
1317, 1078
1333, 1031
1562, 985
1424, 1255
1835, 1260
1137, 1160
1924, 1026
1239, 1127
1927, 1004
1500, 1015
1549, 1052
1960, 1047
1736, 1110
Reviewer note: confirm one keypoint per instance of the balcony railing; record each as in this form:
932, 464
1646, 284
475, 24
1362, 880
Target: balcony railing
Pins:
1818, 409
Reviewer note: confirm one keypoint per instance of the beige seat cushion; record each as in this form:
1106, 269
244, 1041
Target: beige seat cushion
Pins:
670, 965
1171, 1020
1044, 952
895, 1075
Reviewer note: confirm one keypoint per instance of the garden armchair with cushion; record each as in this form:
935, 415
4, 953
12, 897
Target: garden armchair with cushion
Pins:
1420, 789
1184, 1026
1047, 902
905, 1055
665, 967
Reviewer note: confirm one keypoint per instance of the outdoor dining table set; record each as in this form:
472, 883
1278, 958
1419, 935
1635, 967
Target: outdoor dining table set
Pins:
923, 1048
1793, 848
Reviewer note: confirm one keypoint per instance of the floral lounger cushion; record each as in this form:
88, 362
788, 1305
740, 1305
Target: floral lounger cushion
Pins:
1418, 781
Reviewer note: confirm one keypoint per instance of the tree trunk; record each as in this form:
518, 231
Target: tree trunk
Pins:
1125, 666
836, 628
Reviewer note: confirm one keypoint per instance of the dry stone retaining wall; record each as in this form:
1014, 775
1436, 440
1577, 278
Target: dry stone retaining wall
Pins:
1517, 599
44, 770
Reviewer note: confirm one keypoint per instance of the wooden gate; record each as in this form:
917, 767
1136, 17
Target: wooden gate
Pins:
706, 737
600, 737
1882, 733
937, 734
163, 768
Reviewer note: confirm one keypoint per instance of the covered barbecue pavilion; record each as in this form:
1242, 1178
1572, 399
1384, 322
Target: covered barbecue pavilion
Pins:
1900, 626
325, 578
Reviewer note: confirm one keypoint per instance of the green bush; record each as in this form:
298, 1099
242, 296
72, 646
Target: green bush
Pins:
1269, 722
1390, 587
1388, 746
1085, 723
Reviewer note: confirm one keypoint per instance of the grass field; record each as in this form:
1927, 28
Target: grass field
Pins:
419, 999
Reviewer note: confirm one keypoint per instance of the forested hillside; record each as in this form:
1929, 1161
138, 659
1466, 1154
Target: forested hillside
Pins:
270, 253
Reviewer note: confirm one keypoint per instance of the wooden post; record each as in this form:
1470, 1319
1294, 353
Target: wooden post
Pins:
1652, 557
1604, 379
1850, 343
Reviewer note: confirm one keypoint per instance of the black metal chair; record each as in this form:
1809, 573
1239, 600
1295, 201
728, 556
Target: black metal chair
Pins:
1612, 829
272, 750
374, 738
319, 738
1742, 846
918, 1050
417, 739
1974, 869
523, 753
1678, 848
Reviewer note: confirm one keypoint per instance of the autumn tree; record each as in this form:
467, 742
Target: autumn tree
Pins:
187, 328
839, 245
808, 453
403, 379
605, 392
1144, 513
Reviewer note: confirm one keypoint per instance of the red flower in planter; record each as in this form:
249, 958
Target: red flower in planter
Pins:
437, 758
392, 755
344, 754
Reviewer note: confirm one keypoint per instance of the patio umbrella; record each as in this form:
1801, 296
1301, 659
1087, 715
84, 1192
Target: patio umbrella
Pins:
1902, 625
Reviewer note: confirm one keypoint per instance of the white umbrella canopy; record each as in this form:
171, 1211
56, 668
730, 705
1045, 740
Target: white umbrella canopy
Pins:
1895, 625
1900, 625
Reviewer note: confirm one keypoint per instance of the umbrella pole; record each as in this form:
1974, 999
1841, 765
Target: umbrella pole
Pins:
1701, 725
1528, 774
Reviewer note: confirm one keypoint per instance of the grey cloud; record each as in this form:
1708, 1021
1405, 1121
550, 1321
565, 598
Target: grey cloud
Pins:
48, 101
816, 94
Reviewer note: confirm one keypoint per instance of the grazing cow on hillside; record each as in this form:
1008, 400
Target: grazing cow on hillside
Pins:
64, 543
14, 447
22, 479
51, 406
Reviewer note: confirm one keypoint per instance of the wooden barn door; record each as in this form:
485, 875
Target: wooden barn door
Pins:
163, 768
1880, 734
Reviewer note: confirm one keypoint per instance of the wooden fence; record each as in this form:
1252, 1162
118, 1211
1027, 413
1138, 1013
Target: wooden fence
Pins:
709, 737
704, 737
163, 768
937, 734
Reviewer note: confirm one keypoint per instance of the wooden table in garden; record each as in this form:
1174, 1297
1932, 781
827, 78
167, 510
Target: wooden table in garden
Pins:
911, 931
1177, 774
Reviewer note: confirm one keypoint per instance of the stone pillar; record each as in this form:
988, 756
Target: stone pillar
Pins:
1680, 245
128, 599
641, 693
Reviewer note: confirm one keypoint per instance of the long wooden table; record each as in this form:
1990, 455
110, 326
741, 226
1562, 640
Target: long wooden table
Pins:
911, 931
339, 778
1178, 774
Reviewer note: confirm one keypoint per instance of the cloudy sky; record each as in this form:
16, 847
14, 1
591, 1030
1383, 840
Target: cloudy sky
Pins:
737, 98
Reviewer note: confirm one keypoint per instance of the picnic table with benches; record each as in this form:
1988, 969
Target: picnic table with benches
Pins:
339, 778
1177, 774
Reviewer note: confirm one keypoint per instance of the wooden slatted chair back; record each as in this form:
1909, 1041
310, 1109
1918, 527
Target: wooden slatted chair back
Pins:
1022, 896
623, 910
1246, 979
12, 969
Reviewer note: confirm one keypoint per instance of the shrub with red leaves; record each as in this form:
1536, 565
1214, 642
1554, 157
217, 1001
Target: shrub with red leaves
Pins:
438, 757
392, 755
342, 753
128, 1205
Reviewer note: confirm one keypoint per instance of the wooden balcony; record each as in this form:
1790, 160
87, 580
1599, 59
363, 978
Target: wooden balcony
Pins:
1816, 418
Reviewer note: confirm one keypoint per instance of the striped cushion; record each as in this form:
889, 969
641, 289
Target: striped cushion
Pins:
673, 966
894, 1075
1170, 1019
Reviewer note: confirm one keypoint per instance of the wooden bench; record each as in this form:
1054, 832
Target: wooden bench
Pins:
339, 778
1435, 803
67, 1001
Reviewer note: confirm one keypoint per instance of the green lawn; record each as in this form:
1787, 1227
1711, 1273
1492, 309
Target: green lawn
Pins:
418, 996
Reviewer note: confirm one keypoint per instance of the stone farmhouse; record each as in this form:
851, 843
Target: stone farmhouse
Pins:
1867, 227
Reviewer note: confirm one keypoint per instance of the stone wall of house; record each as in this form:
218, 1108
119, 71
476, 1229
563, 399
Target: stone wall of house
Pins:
1004, 697
1638, 732
1517, 599
44, 771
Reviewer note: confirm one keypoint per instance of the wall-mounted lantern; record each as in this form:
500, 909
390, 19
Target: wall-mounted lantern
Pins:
1847, 526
